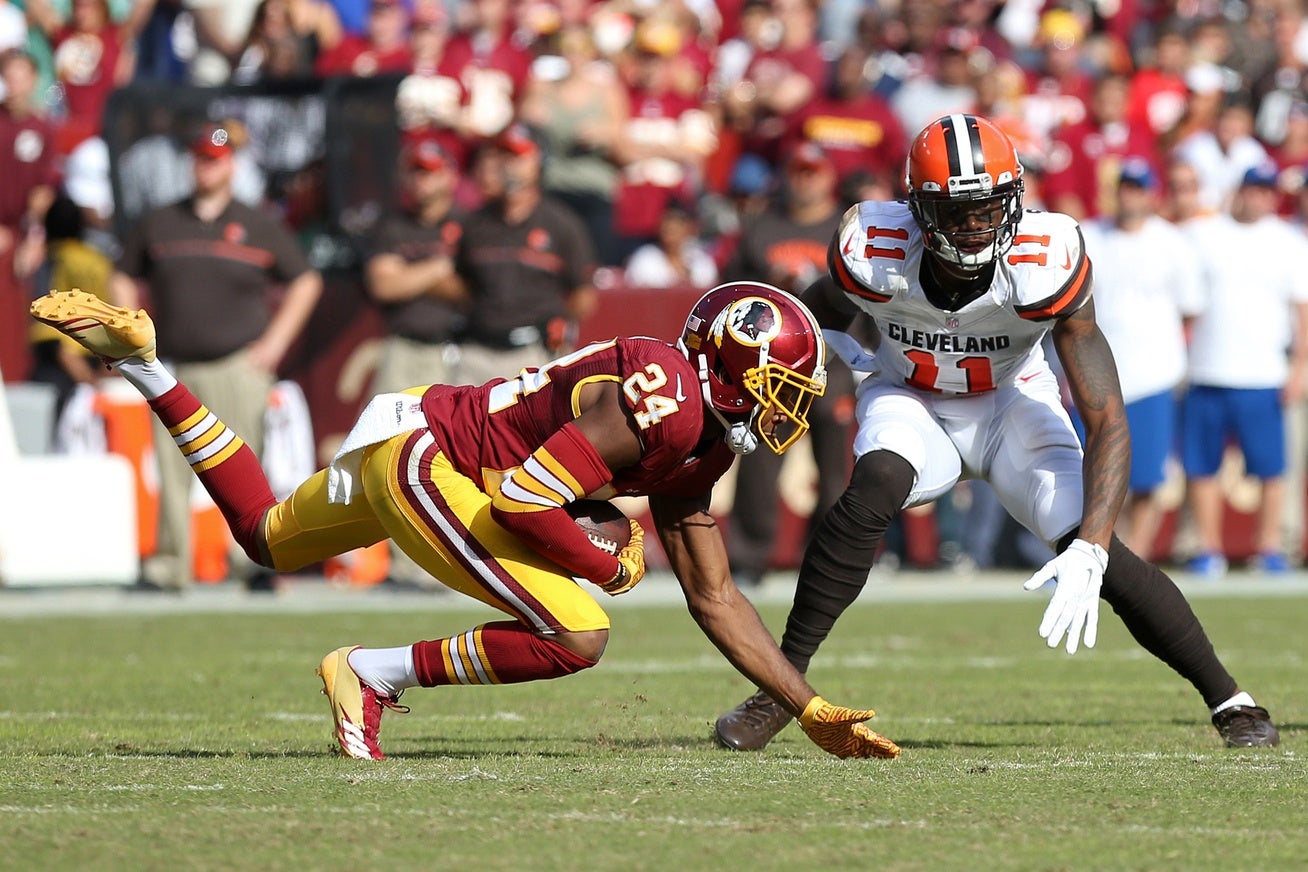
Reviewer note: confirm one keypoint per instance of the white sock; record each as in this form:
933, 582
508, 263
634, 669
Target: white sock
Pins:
385, 670
1240, 698
152, 379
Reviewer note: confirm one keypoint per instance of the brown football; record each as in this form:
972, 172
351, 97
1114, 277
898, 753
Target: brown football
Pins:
603, 522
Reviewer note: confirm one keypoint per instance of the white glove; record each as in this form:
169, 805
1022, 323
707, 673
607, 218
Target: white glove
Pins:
1079, 573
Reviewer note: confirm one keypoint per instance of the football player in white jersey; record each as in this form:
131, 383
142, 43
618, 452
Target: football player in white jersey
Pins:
964, 285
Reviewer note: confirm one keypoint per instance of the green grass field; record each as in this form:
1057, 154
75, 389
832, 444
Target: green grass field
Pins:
200, 741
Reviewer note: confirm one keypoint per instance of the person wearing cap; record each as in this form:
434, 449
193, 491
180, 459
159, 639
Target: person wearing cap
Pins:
527, 262
786, 246
1248, 361
1147, 286
210, 263
411, 276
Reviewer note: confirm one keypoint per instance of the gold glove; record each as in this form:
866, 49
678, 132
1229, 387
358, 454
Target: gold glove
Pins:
631, 564
841, 731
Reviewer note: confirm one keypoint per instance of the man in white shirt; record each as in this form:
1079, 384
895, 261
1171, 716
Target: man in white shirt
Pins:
1248, 356
1147, 283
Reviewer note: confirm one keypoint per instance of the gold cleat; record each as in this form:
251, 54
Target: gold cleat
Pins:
110, 332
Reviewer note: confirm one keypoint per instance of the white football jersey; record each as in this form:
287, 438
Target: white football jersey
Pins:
876, 258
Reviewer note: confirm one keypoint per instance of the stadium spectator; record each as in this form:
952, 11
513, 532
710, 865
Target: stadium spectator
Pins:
209, 263
1158, 91
1238, 388
1147, 284
1222, 155
285, 39
527, 262
1058, 87
1182, 203
664, 142
27, 165
1081, 175
411, 276
1277, 90
490, 67
92, 57
70, 264
786, 246
855, 127
779, 80
759, 31
416, 470
943, 84
678, 259
580, 111
943, 405
383, 47
429, 34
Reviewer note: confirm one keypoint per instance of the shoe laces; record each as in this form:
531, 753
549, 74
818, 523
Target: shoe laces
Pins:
761, 709
392, 702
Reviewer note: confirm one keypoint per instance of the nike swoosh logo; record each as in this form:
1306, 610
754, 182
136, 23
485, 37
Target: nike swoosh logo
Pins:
681, 396
1067, 257
849, 246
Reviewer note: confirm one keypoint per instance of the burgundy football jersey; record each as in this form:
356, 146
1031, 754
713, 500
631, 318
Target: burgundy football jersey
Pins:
490, 429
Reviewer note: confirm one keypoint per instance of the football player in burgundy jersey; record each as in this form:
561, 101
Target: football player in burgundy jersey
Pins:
963, 287
472, 482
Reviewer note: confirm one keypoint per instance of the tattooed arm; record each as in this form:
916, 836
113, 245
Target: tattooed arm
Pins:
1092, 378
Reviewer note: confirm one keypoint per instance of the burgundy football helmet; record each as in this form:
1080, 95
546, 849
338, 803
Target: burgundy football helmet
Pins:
759, 351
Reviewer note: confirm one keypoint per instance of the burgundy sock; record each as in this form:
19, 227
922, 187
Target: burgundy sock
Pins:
226, 466
503, 652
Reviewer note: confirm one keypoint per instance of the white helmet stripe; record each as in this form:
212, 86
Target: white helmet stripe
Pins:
963, 143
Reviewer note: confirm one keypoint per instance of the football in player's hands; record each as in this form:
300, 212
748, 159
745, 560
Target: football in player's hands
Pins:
604, 523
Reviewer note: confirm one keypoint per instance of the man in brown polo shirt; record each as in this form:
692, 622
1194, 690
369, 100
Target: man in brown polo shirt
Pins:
209, 263
527, 261
411, 276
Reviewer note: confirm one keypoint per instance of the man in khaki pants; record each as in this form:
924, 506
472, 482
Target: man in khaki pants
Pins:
209, 263
411, 276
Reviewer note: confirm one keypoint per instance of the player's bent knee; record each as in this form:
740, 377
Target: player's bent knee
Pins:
588, 645
884, 472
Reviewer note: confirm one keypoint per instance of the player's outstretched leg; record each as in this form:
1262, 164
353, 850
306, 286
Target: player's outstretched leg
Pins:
1161, 620
125, 340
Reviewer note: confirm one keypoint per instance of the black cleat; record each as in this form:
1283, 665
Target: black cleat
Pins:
752, 724
1246, 726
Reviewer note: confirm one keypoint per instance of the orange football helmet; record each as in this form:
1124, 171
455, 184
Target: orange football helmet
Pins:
965, 189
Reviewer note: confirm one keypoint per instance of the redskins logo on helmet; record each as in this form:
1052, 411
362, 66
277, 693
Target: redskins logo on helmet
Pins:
761, 358
751, 321
965, 190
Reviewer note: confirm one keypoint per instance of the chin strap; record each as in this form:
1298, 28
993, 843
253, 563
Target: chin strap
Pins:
740, 436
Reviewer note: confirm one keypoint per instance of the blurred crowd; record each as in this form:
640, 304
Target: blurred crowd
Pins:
696, 140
